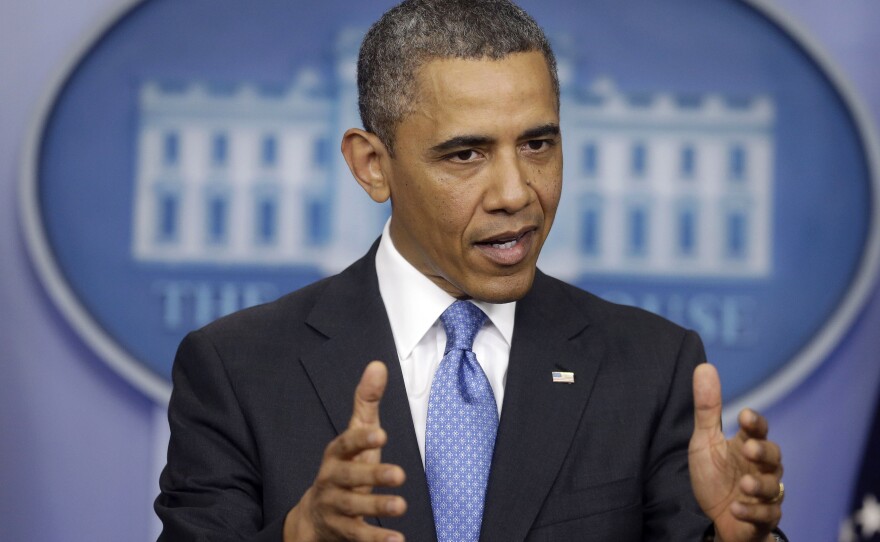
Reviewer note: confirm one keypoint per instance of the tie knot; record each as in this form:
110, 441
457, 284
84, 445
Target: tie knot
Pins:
462, 321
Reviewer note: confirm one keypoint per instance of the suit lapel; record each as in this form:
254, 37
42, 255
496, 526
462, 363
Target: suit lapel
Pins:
350, 313
539, 417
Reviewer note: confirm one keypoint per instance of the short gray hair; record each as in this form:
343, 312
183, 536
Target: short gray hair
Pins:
418, 31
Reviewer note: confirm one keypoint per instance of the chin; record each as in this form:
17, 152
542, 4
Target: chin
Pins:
504, 289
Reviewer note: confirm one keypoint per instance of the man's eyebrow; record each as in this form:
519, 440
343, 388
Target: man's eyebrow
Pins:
464, 141
550, 129
459, 142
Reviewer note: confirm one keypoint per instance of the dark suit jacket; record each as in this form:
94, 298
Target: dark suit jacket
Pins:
259, 394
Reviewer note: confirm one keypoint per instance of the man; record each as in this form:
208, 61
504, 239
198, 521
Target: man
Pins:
600, 436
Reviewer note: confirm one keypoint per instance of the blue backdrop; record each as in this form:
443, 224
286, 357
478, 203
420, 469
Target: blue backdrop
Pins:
80, 447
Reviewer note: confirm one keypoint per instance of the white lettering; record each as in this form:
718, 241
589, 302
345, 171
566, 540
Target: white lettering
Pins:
191, 304
726, 320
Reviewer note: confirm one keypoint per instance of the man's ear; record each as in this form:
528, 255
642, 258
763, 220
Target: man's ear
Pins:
366, 155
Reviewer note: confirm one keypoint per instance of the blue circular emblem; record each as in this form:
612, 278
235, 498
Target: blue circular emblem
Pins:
717, 171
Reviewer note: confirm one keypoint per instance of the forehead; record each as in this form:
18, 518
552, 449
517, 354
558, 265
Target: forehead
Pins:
455, 94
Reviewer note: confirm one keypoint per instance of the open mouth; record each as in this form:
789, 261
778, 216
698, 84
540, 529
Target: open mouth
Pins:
505, 244
508, 248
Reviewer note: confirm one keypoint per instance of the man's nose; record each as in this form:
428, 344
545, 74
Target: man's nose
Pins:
509, 186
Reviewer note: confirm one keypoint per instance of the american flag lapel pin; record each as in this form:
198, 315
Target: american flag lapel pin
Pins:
563, 377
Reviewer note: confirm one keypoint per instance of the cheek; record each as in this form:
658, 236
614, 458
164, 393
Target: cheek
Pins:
554, 174
548, 182
454, 208
452, 218
549, 192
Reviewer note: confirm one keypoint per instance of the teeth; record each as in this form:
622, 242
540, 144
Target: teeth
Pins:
508, 244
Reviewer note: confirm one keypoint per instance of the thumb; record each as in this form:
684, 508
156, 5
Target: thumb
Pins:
367, 395
707, 399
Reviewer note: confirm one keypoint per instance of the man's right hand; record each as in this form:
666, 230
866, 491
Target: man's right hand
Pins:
334, 506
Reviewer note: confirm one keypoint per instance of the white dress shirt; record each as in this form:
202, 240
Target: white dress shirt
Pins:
414, 305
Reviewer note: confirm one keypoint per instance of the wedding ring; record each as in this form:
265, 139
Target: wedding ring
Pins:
780, 496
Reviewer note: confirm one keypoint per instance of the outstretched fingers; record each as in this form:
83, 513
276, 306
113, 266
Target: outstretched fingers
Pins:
351, 504
368, 394
354, 441
334, 507
764, 516
344, 473
707, 397
764, 455
761, 487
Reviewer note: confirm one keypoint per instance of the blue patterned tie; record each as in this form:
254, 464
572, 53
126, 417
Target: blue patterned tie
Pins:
460, 432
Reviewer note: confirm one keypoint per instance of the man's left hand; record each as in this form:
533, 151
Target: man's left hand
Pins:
736, 481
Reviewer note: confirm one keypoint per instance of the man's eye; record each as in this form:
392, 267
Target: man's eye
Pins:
537, 144
464, 156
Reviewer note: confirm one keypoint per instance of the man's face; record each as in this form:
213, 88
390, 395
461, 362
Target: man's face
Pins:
477, 174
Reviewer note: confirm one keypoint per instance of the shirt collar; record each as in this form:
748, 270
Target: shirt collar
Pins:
414, 303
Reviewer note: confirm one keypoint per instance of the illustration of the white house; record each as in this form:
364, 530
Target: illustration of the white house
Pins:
655, 184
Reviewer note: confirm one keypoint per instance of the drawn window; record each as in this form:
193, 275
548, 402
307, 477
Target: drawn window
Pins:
591, 229
321, 152
267, 220
637, 230
687, 231
316, 223
169, 209
219, 150
638, 160
736, 242
171, 149
737, 163
269, 151
591, 159
688, 162
218, 217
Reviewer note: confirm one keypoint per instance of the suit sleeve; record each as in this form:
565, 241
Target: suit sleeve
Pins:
671, 510
211, 486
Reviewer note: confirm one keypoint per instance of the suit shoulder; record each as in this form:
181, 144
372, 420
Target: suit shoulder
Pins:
280, 317
635, 341
274, 317
620, 320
